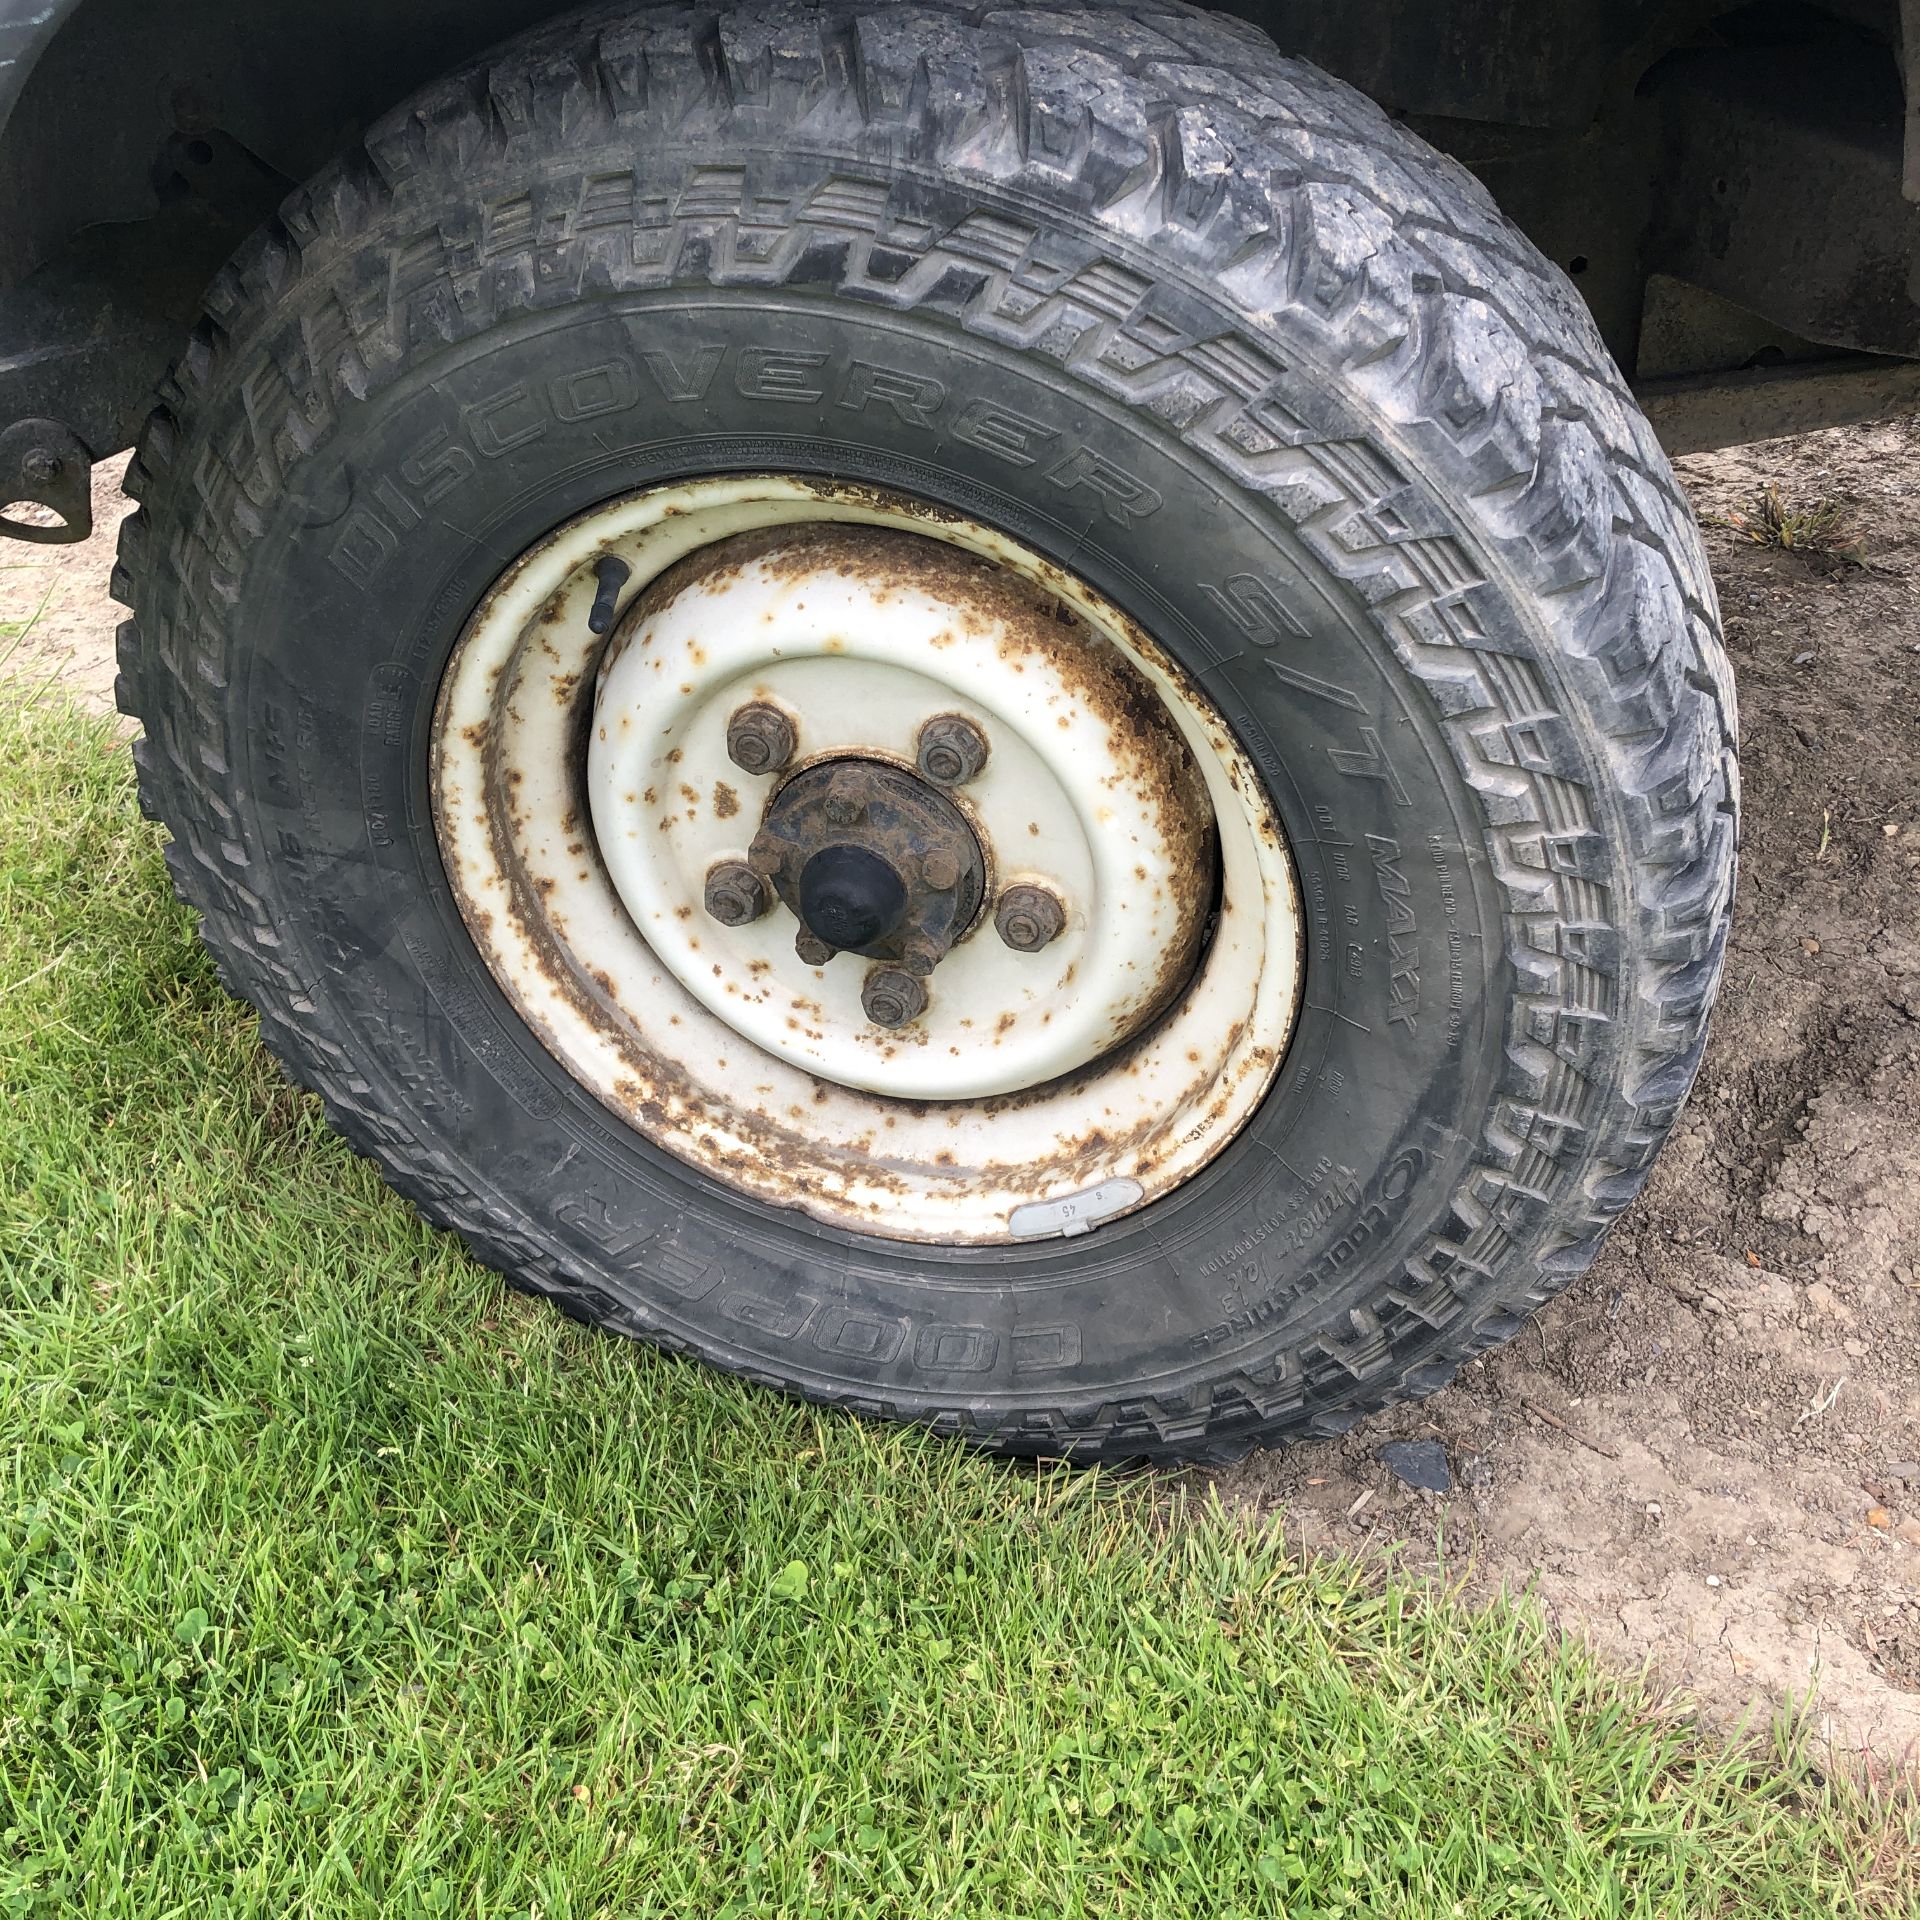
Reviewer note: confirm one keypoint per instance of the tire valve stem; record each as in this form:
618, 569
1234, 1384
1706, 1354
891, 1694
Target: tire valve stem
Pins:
612, 575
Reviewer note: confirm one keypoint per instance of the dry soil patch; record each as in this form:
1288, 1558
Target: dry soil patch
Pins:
1739, 1501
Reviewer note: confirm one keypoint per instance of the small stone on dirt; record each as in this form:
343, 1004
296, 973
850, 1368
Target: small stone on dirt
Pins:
1420, 1463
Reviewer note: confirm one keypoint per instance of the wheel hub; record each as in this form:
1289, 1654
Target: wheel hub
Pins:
871, 860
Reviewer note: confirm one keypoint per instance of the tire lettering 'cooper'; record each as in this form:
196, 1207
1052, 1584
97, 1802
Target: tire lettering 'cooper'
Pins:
937, 1346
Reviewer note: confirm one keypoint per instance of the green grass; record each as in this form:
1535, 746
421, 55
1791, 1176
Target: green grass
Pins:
336, 1580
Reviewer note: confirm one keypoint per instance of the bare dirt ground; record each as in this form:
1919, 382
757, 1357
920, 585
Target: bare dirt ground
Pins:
1707, 1454
56, 622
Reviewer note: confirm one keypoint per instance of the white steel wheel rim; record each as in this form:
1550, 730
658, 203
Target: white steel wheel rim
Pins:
575, 858
863, 637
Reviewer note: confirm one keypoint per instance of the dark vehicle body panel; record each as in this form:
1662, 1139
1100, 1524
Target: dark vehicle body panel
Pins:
1732, 189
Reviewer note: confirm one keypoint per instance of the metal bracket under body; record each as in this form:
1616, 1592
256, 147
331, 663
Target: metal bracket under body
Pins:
43, 463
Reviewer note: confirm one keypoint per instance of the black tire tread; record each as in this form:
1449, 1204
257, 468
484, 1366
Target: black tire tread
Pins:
1184, 138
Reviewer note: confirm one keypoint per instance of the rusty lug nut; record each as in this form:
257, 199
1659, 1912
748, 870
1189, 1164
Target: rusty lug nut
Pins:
940, 869
735, 893
952, 750
759, 738
813, 950
1028, 917
893, 997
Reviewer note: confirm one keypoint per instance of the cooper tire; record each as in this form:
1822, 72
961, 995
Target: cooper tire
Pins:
1180, 313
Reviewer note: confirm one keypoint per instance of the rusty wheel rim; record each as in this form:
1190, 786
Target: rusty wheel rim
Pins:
1070, 932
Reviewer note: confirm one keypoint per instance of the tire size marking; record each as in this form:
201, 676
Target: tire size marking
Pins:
1456, 940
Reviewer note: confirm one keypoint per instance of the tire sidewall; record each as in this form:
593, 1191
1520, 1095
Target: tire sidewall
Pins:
1265, 1267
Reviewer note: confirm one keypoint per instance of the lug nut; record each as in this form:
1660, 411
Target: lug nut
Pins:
812, 949
759, 738
1028, 917
940, 869
893, 997
735, 893
952, 750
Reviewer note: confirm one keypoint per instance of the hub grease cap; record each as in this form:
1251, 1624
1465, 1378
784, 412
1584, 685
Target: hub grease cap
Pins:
850, 897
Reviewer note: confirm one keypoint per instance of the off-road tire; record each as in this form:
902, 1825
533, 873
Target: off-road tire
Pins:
1214, 280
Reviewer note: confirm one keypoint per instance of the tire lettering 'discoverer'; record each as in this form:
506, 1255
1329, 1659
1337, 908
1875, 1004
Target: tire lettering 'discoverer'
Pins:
519, 414
510, 419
